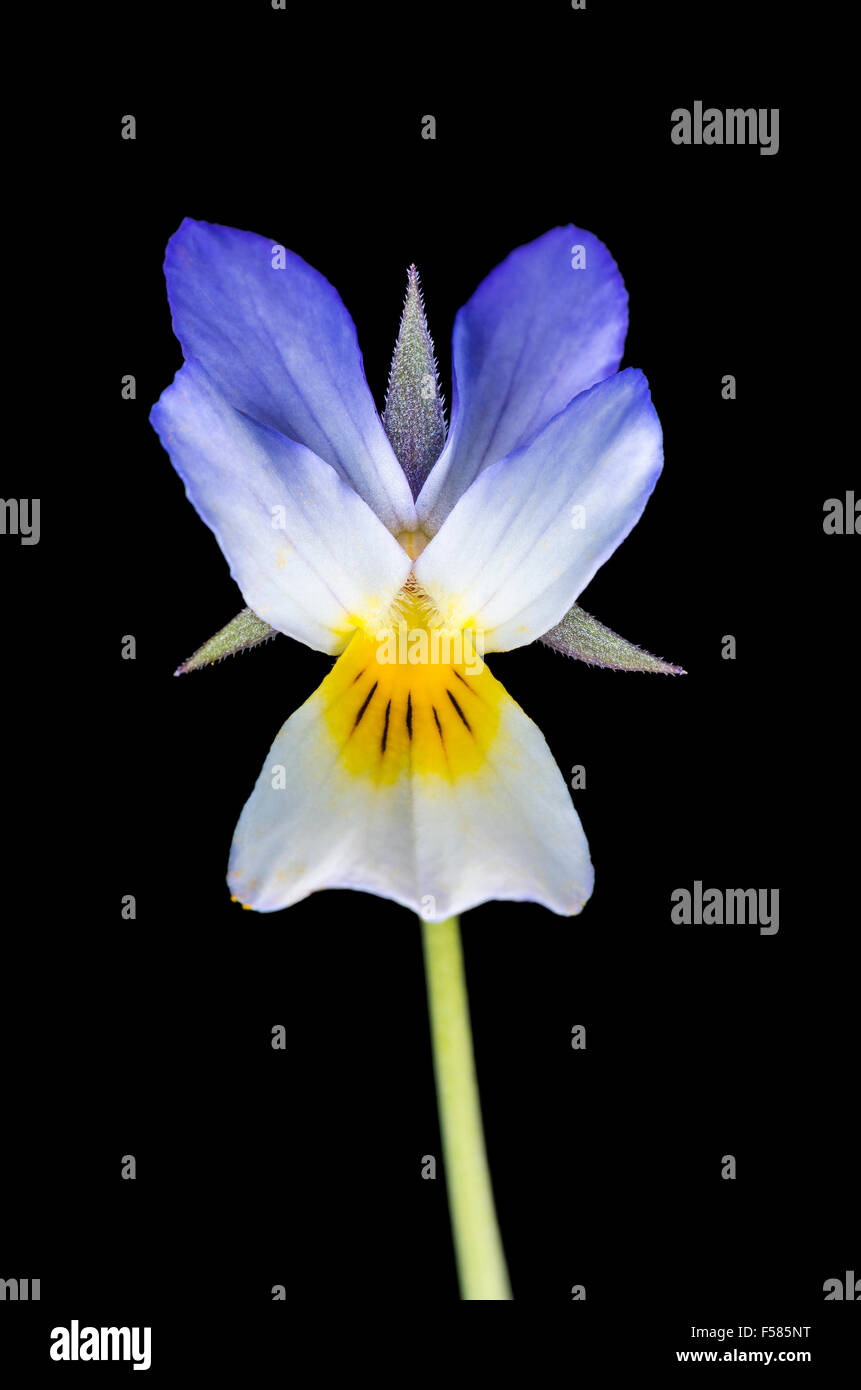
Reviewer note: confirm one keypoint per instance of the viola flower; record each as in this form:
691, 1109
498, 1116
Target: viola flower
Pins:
382, 540
408, 552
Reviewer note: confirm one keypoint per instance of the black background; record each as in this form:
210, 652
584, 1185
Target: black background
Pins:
302, 1168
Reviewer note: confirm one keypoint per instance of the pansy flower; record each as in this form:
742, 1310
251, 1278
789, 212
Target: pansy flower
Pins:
409, 551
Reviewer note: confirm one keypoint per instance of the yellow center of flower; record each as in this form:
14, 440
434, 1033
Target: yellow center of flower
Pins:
413, 697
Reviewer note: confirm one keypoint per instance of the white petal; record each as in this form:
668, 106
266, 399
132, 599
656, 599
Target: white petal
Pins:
308, 554
530, 532
424, 784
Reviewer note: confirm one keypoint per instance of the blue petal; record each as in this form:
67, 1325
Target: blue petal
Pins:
281, 346
534, 335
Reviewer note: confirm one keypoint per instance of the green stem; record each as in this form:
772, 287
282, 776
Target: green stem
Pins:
478, 1247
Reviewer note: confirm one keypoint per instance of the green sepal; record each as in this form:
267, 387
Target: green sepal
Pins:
582, 636
244, 632
414, 418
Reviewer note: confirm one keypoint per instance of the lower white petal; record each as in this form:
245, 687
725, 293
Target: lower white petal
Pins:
422, 783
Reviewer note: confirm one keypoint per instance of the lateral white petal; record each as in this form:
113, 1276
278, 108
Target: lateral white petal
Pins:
308, 554
530, 532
